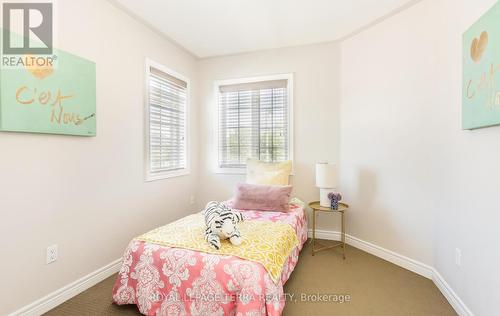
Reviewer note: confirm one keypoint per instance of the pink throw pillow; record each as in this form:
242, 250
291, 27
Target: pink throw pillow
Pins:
262, 197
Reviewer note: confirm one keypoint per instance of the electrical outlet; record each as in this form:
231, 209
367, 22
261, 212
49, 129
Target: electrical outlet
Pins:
191, 200
51, 254
458, 257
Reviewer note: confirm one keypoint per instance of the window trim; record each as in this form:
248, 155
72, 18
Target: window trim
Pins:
153, 176
215, 136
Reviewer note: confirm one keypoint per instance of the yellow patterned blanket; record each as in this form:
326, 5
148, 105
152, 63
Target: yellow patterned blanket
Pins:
265, 242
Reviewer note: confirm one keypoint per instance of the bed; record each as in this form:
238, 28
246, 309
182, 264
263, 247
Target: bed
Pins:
163, 280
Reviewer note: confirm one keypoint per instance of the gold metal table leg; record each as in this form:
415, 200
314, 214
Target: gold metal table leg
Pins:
314, 230
343, 235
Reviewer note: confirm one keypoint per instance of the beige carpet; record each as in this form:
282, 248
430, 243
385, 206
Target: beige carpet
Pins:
375, 286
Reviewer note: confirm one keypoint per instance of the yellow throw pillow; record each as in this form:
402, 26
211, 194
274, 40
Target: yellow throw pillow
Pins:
268, 173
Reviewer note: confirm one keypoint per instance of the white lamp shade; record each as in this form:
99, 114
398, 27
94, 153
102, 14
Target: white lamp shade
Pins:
326, 175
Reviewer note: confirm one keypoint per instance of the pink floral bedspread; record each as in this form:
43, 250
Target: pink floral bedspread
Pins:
172, 281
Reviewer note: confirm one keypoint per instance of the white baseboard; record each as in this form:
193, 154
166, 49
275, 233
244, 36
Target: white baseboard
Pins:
404, 262
325, 234
450, 295
63, 294
400, 260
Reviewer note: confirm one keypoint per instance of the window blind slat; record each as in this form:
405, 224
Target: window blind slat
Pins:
167, 122
253, 123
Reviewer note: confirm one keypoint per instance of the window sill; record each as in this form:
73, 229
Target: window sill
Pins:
230, 171
166, 175
238, 171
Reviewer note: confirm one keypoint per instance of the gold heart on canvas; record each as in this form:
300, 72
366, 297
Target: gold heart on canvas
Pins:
478, 47
40, 72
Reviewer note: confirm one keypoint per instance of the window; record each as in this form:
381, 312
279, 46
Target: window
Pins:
167, 112
254, 121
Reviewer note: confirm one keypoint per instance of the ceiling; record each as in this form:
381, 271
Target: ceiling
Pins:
222, 27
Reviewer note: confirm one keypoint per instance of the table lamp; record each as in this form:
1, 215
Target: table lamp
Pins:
326, 181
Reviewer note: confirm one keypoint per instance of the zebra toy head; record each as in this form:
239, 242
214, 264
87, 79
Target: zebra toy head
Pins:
221, 224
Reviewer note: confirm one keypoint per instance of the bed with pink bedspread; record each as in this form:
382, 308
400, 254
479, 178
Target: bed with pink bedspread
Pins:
172, 281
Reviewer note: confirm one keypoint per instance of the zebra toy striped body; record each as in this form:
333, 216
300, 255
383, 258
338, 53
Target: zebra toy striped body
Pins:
221, 224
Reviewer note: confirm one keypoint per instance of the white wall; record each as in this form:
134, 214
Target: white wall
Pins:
87, 195
316, 114
418, 184
385, 103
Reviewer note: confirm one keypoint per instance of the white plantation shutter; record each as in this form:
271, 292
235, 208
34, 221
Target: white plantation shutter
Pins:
253, 123
167, 103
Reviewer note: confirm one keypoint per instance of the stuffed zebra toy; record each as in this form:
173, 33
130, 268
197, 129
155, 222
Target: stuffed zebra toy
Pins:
221, 224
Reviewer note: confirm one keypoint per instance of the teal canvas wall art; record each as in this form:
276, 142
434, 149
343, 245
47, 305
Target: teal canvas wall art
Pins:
481, 72
56, 99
